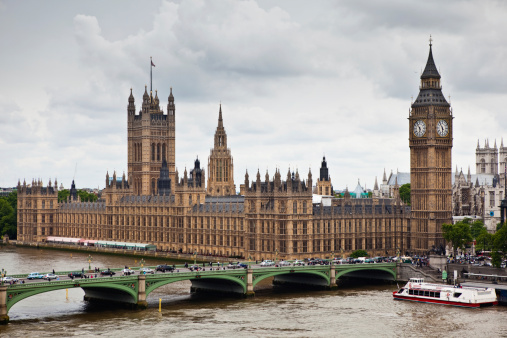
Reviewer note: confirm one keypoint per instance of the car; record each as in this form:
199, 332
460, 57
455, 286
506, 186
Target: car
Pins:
146, 271
298, 262
267, 262
128, 272
9, 279
284, 263
242, 265
35, 275
164, 268
75, 274
107, 272
233, 265
50, 276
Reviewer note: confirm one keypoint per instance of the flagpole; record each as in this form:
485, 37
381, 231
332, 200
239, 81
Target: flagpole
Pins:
151, 81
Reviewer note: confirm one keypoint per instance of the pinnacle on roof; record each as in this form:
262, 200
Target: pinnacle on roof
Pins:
131, 97
375, 187
220, 121
171, 97
385, 177
430, 71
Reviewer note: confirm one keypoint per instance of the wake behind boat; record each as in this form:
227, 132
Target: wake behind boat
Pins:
417, 290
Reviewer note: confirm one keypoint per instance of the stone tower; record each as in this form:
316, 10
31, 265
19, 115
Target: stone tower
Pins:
430, 138
220, 164
151, 140
324, 186
486, 159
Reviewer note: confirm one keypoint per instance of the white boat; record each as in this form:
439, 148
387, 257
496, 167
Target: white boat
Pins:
417, 290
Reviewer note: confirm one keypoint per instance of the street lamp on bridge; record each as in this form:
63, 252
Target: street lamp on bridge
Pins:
90, 259
195, 257
276, 255
141, 262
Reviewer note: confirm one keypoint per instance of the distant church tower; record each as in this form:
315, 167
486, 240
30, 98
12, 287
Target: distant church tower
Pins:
430, 138
220, 164
151, 140
324, 186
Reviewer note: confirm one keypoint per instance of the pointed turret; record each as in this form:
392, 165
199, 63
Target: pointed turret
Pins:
430, 93
247, 180
171, 108
469, 176
430, 71
375, 187
478, 146
384, 178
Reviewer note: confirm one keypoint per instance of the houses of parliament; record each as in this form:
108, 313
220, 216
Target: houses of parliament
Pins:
272, 214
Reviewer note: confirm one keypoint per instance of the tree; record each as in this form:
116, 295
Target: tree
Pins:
405, 193
458, 234
8, 215
359, 253
476, 228
62, 195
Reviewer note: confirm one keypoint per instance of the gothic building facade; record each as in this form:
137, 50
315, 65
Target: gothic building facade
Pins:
271, 217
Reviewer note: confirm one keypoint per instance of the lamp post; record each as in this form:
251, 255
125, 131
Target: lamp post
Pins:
276, 255
90, 259
2, 277
141, 262
249, 259
195, 257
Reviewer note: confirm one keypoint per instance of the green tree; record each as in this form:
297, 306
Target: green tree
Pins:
62, 195
405, 193
359, 253
476, 228
484, 241
458, 234
8, 215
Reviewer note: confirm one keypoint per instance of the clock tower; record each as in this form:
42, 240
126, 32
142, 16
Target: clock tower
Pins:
430, 138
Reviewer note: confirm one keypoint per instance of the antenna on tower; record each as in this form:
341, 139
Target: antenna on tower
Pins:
75, 170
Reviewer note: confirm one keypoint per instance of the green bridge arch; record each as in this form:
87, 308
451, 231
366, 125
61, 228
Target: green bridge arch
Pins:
27, 290
155, 283
361, 267
261, 276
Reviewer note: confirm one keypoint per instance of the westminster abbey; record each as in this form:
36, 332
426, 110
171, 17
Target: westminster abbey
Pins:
273, 215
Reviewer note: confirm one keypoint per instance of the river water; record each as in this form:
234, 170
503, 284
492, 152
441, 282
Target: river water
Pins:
352, 311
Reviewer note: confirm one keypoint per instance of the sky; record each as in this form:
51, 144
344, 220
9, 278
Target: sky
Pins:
297, 81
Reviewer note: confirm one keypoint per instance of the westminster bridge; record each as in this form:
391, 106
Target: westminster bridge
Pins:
134, 289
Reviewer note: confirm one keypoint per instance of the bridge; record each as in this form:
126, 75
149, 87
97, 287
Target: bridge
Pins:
134, 289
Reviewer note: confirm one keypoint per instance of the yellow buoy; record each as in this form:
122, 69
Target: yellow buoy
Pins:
160, 305
67, 294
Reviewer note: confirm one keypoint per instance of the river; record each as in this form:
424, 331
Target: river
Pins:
354, 311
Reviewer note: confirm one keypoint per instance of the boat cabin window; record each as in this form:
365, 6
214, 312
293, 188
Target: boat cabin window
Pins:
457, 294
416, 280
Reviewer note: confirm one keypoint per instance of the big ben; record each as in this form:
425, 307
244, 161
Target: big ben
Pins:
430, 137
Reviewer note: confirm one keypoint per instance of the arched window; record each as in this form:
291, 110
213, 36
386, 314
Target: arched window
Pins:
158, 152
483, 166
153, 151
295, 207
493, 165
163, 151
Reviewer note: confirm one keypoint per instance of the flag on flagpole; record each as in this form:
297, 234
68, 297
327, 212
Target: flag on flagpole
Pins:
152, 64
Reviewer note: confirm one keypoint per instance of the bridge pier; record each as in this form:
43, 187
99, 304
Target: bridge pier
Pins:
249, 283
141, 293
332, 278
4, 318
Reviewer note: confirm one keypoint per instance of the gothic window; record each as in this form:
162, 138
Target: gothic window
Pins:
43, 204
295, 207
304, 207
493, 166
158, 152
153, 152
163, 151
483, 166
491, 198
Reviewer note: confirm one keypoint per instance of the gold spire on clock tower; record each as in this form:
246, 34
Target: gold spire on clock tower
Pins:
430, 138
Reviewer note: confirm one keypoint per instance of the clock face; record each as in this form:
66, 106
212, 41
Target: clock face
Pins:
419, 128
442, 128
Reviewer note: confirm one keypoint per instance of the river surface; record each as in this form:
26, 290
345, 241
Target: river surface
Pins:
352, 311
